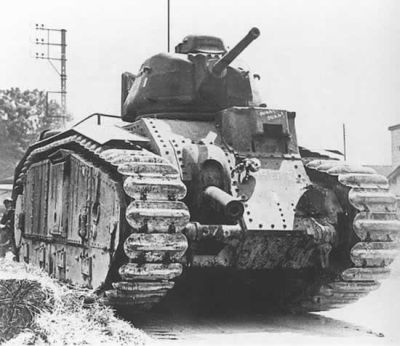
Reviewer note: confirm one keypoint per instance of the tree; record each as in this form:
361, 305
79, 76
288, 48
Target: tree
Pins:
23, 116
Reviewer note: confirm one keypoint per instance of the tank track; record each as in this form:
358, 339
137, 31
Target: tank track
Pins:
156, 217
152, 186
375, 228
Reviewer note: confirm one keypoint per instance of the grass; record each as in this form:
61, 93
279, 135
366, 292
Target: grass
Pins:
37, 310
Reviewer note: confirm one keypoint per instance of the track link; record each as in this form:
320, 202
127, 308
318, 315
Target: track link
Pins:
156, 218
154, 213
374, 222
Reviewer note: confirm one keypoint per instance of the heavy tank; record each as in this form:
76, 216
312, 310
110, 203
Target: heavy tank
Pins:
199, 175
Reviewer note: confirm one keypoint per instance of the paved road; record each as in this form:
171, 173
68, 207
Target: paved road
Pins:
374, 320
259, 330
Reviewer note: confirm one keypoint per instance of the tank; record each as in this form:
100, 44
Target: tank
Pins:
199, 176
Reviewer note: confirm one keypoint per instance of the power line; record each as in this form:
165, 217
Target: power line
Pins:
62, 59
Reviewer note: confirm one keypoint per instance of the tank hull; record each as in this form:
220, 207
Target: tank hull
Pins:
119, 208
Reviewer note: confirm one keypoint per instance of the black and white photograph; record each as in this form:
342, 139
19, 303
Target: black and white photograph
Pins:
200, 172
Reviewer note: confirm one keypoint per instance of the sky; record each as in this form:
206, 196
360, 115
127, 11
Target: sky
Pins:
330, 61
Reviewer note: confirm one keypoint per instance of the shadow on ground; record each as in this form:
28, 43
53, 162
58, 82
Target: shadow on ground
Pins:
200, 313
194, 326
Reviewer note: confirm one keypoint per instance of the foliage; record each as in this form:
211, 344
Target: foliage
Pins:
23, 116
51, 314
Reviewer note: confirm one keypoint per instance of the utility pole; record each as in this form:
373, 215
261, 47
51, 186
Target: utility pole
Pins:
62, 59
168, 25
344, 142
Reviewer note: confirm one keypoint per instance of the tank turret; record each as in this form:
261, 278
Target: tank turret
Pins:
197, 79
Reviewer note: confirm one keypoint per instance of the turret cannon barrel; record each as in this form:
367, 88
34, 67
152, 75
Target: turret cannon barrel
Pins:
231, 55
233, 208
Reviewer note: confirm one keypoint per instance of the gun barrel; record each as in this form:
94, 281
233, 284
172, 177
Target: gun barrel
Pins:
233, 208
222, 64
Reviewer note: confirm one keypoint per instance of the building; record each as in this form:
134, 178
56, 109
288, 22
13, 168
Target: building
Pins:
392, 172
394, 175
395, 132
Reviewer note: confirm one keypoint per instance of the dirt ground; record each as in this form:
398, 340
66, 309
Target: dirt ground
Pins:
374, 320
